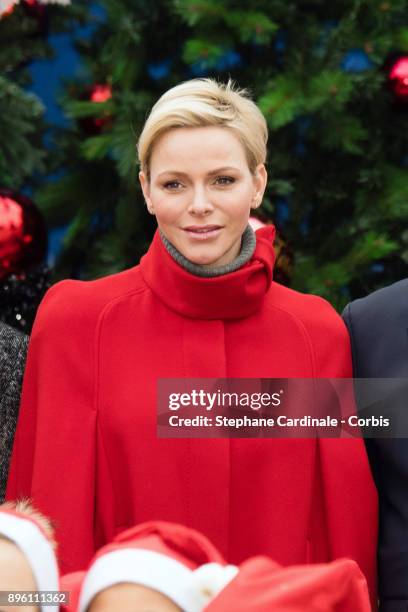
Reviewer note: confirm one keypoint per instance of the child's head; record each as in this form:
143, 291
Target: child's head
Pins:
27, 558
129, 597
154, 566
15, 571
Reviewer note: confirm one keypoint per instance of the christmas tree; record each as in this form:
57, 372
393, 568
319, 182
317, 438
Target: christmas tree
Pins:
332, 83
24, 29
24, 158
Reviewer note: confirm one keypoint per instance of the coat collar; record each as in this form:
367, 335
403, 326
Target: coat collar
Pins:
231, 296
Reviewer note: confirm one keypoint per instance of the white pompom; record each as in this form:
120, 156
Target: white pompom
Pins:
211, 578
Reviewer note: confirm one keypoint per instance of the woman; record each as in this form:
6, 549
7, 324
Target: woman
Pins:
13, 348
201, 304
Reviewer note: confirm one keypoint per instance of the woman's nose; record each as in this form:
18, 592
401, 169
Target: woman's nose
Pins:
200, 203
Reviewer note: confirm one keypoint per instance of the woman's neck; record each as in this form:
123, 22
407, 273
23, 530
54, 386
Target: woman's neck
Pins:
248, 244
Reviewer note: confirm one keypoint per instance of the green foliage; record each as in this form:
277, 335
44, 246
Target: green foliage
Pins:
329, 87
330, 278
282, 102
251, 26
402, 39
96, 147
23, 156
337, 144
20, 123
196, 49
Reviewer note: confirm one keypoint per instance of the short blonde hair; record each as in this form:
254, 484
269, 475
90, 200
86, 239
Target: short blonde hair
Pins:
201, 103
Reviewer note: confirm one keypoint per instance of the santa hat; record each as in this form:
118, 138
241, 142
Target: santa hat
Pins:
263, 585
71, 583
29, 536
177, 561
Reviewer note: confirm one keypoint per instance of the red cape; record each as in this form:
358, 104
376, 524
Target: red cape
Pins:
86, 449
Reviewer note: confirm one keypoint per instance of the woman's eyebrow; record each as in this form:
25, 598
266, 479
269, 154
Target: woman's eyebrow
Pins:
223, 169
217, 171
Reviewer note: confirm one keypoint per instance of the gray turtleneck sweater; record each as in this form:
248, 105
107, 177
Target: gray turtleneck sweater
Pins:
247, 250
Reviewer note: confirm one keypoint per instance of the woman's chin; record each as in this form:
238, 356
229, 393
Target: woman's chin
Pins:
202, 259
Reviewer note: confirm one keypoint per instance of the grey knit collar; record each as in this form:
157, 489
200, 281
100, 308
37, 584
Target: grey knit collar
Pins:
247, 250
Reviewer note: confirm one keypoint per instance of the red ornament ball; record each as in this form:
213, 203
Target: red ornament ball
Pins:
23, 235
33, 7
100, 93
97, 93
398, 78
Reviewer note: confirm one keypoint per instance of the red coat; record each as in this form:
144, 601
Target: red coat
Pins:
86, 447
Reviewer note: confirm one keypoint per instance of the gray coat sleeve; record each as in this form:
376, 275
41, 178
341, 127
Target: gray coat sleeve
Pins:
13, 350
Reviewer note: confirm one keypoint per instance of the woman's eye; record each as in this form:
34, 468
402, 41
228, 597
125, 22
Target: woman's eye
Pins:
225, 180
172, 185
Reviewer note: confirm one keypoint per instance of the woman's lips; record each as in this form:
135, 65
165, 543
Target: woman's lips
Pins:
203, 233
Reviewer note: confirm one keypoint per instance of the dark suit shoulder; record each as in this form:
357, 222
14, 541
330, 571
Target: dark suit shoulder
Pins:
383, 303
378, 327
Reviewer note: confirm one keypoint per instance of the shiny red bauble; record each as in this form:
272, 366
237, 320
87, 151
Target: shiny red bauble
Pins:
398, 78
23, 235
97, 93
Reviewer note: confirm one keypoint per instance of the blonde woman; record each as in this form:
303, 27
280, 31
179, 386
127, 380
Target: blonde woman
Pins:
201, 304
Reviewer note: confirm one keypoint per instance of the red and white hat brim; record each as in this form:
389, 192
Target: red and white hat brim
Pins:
37, 549
145, 567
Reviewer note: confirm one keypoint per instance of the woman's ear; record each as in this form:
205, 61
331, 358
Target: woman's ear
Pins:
146, 191
260, 180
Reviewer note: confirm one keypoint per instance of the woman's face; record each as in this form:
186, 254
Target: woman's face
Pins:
201, 191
